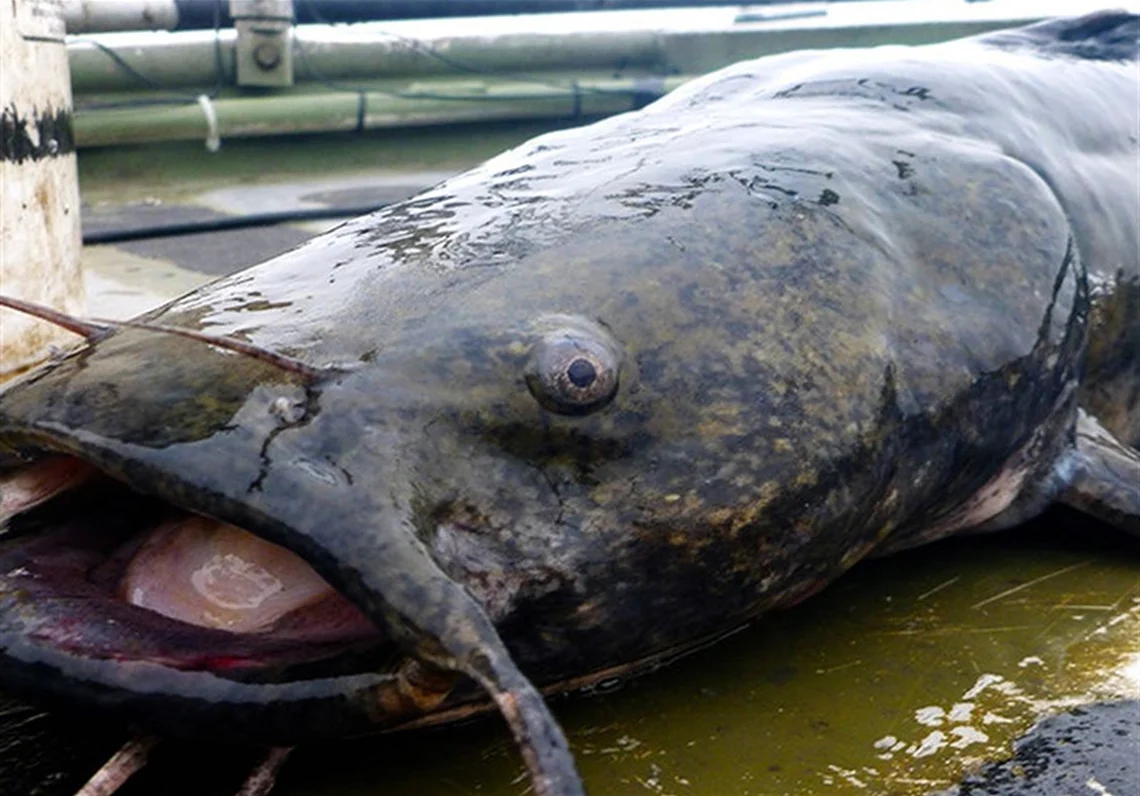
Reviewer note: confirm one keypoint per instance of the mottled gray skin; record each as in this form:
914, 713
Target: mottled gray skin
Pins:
847, 289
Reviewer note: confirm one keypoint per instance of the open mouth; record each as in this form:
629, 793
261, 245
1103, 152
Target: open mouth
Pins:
100, 585
100, 571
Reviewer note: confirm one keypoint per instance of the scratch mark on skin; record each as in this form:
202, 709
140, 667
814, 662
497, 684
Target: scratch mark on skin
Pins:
938, 588
1026, 585
550, 482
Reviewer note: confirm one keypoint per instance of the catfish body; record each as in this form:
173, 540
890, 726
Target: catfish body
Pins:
627, 386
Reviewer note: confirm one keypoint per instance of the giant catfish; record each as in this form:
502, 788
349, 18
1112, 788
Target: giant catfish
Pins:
607, 396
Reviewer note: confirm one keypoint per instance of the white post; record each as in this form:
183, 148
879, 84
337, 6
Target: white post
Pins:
39, 185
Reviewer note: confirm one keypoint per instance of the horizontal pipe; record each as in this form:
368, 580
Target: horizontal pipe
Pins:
335, 63
524, 44
332, 111
171, 229
130, 62
199, 14
103, 16
90, 16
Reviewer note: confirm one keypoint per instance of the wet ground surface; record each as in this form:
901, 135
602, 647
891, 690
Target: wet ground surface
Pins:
1090, 749
910, 675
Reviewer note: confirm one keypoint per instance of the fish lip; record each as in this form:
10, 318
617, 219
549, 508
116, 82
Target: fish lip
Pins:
286, 704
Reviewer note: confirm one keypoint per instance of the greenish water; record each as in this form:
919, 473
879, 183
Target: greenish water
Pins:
898, 679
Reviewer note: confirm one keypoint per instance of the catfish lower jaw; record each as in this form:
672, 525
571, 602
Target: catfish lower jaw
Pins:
101, 572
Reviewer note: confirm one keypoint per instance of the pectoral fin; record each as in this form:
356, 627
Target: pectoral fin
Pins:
1106, 482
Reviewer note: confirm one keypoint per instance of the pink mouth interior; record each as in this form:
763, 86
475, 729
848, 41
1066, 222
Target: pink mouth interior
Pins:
186, 590
211, 574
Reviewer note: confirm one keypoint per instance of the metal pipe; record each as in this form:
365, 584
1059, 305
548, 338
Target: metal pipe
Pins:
436, 103
381, 60
687, 40
100, 16
172, 229
89, 16
130, 62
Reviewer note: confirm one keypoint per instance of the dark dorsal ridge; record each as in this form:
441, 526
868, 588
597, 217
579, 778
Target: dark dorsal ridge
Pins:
1100, 36
95, 331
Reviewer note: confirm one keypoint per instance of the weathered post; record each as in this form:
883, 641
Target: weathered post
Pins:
39, 186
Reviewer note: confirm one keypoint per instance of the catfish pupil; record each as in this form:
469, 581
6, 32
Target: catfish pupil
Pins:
581, 373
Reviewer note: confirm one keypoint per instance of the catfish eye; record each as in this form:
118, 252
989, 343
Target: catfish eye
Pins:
573, 372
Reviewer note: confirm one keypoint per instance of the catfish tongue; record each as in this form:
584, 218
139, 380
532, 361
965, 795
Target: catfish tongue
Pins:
215, 575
